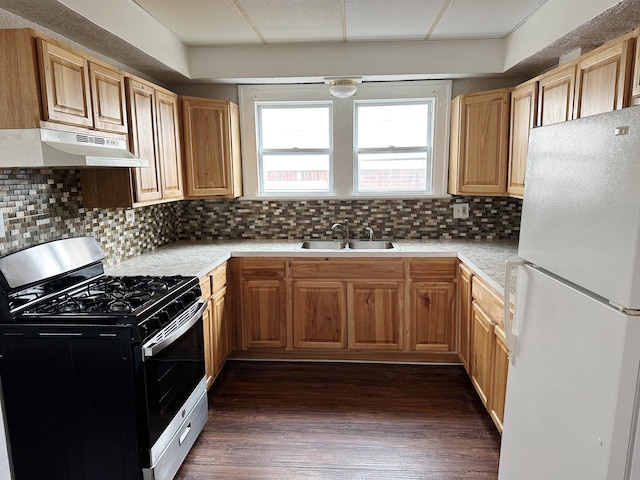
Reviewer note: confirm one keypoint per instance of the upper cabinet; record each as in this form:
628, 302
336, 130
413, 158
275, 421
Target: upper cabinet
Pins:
211, 132
523, 119
479, 143
635, 82
555, 95
108, 95
154, 135
602, 79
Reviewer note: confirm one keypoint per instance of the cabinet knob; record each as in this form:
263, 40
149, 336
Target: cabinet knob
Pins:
426, 301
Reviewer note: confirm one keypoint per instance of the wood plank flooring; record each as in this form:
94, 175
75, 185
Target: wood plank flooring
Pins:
343, 421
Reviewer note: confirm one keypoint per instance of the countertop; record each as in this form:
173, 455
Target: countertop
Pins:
197, 258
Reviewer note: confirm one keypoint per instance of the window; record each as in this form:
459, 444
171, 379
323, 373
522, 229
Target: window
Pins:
390, 139
294, 147
393, 146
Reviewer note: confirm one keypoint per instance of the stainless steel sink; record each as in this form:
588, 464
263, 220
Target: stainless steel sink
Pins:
322, 245
342, 245
372, 245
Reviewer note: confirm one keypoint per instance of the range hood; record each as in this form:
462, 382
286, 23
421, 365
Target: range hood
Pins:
47, 148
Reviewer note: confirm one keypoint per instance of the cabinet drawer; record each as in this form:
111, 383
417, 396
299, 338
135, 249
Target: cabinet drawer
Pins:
219, 277
490, 300
205, 286
387, 268
263, 268
434, 269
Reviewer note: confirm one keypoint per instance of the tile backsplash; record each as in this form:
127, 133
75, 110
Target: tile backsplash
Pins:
489, 218
40, 205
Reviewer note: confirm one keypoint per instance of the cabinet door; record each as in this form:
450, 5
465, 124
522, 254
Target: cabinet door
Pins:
263, 313
432, 316
523, 117
147, 183
375, 313
479, 151
221, 331
319, 314
555, 100
635, 82
64, 78
482, 345
169, 150
602, 80
500, 364
108, 99
209, 363
208, 150
464, 316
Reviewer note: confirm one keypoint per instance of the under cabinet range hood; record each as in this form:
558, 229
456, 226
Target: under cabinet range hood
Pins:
47, 148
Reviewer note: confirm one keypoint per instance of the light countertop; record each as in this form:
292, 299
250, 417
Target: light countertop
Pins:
197, 258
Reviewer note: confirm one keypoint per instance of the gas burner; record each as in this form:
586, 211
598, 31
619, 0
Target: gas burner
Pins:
118, 306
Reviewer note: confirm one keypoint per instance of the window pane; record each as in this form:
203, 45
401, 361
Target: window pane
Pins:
288, 173
406, 172
291, 127
383, 126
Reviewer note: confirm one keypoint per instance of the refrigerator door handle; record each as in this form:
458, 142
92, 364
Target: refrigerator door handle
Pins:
509, 327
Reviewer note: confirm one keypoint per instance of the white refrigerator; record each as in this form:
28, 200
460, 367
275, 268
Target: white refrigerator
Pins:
572, 391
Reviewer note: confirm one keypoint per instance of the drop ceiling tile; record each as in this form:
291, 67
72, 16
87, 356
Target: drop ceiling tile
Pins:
370, 20
202, 22
286, 21
483, 18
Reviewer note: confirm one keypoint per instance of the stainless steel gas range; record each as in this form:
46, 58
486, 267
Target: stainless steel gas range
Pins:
102, 377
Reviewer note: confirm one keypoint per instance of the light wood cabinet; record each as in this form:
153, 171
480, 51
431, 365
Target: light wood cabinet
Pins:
523, 118
263, 303
319, 311
66, 91
602, 79
483, 344
108, 97
48, 84
217, 328
555, 95
635, 81
154, 135
375, 314
489, 353
464, 315
479, 143
432, 305
211, 132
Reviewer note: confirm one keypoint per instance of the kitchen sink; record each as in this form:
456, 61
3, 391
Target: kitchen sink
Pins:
372, 245
322, 245
342, 245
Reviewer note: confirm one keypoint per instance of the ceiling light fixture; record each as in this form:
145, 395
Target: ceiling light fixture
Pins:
342, 87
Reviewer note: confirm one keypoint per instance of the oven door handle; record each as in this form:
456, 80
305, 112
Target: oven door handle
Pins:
154, 346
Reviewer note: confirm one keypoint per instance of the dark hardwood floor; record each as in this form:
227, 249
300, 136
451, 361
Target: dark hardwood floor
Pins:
343, 421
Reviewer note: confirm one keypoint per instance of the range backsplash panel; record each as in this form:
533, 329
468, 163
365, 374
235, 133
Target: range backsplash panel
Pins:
41, 205
489, 218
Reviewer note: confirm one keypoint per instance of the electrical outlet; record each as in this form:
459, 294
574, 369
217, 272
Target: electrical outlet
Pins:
2, 232
461, 210
130, 215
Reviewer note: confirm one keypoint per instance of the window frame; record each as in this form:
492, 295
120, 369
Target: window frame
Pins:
343, 123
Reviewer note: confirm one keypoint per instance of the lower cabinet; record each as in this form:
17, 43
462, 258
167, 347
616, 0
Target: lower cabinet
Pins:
218, 330
375, 315
489, 355
464, 315
262, 303
319, 310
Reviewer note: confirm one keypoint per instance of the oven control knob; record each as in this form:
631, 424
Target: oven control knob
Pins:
163, 318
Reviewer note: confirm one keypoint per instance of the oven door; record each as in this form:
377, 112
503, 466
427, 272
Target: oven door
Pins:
173, 363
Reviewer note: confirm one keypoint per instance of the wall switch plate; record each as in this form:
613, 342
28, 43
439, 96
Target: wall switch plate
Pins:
461, 210
130, 215
2, 232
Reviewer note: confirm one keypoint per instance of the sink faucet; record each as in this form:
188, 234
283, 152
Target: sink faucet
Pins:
343, 227
370, 231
